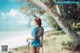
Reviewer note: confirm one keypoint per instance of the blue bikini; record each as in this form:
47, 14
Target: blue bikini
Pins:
36, 42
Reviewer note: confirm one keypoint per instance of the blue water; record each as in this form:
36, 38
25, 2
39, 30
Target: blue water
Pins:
7, 29
14, 34
7, 26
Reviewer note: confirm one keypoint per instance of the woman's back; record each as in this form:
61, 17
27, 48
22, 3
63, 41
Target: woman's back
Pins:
37, 33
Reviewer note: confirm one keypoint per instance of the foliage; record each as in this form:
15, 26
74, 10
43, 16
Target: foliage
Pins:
51, 22
68, 44
70, 13
30, 8
59, 40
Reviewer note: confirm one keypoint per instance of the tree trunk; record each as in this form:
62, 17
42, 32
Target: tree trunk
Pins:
58, 10
63, 24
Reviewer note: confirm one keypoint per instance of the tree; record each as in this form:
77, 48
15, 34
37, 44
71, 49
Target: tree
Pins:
63, 24
72, 13
48, 7
51, 23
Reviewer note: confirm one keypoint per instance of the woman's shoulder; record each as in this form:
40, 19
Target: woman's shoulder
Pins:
36, 28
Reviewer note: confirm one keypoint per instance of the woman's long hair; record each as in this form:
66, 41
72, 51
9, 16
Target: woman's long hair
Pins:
38, 21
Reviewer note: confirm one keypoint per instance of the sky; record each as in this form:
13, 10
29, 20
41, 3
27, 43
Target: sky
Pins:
11, 17
7, 5
13, 23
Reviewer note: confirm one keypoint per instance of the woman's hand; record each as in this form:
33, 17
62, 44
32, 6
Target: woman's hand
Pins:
41, 45
41, 41
27, 40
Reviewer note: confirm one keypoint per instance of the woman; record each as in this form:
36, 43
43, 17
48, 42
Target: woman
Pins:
37, 36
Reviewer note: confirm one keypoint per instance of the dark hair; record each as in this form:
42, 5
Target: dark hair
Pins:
38, 21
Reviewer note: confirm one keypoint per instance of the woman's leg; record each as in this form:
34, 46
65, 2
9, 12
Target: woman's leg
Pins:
37, 49
34, 49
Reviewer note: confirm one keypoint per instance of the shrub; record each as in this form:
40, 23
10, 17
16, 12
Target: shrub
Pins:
68, 44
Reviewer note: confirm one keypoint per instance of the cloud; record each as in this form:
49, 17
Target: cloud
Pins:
14, 16
13, 12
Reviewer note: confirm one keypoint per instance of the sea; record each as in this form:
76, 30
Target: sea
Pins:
15, 35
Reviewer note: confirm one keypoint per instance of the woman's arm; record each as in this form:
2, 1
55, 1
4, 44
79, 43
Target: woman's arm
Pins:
41, 41
30, 38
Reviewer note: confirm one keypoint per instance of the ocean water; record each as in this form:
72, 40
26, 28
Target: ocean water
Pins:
15, 35
14, 38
